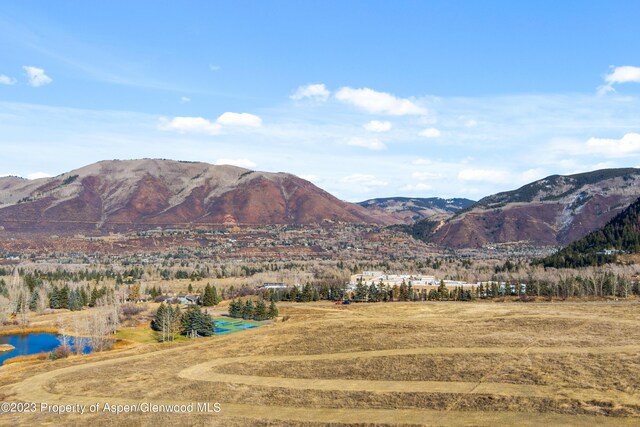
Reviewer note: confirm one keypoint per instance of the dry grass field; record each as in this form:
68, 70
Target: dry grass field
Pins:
449, 364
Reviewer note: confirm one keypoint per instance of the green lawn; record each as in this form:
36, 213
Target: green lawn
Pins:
146, 335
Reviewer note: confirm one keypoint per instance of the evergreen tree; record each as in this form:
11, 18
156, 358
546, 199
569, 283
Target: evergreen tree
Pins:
235, 309
404, 291
33, 303
273, 311
54, 297
167, 321
260, 311
197, 323
443, 292
3, 289
64, 296
74, 302
95, 294
361, 291
210, 296
156, 323
247, 310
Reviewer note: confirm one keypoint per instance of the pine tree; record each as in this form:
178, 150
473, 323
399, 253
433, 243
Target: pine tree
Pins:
95, 294
54, 297
156, 323
361, 291
247, 310
33, 303
168, 321
216, 296
197, 323
63, 297
210, 296
235, 309
273, 310
260, 311
74, 303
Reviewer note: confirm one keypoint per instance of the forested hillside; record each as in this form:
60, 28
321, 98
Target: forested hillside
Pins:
621, 234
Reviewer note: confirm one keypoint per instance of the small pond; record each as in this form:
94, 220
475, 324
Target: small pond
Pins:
35, 343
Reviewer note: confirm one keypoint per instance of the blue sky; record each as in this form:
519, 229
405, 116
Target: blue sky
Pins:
365, 99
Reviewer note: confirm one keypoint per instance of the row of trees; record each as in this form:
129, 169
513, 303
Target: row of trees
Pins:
170, 321
73, 299
248, 310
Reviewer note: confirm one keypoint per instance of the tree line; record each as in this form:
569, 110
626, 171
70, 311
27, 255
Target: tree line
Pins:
249, 310
170, 321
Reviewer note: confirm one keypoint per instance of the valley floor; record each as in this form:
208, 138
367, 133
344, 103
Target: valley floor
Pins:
417, 364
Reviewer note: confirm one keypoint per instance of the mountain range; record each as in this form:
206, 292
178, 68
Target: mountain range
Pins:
123, 195
552, 211
138, 194
410, 209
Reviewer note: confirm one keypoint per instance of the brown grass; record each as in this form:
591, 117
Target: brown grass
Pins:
568, 364
30, 330
27, 358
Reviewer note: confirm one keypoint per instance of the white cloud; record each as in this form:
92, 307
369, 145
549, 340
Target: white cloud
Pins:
370, 143
242, 163
378, 126
422, 161
311, 178
531, 175
6, 80
366, 180
624, 74
421, 186
422, 176
628, 144
316, 92
471, 123
38, 175
215, 67
430, 133
239, 119
483, 175
184, 99
37, 77
202, 125
379, 102
191, 125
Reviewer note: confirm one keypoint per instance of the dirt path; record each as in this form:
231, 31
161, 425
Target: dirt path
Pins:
207, 372
35, 389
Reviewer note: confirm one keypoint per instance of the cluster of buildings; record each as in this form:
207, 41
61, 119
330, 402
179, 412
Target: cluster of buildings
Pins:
418, 282
422, 282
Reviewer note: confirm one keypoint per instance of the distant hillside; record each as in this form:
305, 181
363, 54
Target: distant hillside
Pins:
143, 194
555, 187
552, 211
410, 209
621, 234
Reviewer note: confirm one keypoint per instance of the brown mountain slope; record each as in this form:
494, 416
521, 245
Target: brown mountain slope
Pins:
553, 211
140, 194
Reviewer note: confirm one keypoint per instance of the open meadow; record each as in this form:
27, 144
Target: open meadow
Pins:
450, 364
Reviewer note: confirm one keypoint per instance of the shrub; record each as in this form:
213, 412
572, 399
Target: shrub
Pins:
60, 352
130, 310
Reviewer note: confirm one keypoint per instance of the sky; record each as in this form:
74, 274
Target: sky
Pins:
363, 98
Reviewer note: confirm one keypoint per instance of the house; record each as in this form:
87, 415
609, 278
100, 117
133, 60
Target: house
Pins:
188, 299
274, 286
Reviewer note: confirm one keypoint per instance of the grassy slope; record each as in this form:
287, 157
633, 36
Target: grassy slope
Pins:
444, 364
